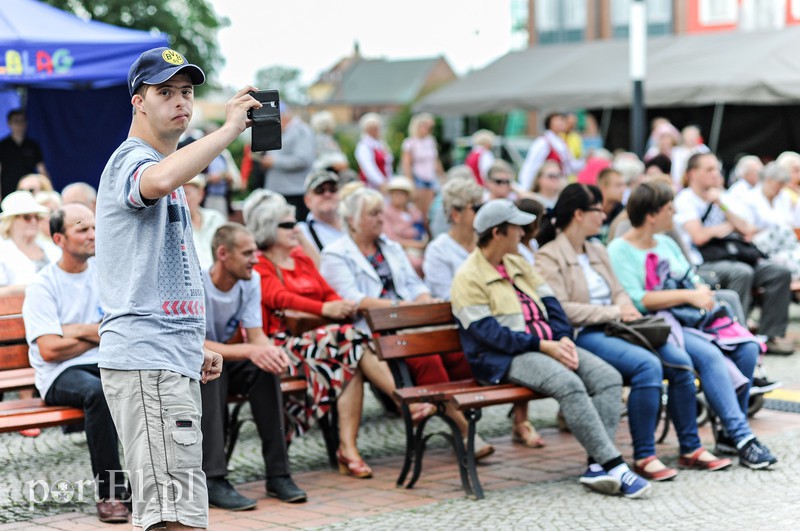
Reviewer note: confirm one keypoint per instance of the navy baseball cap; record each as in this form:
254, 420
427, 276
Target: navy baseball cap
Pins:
158, 65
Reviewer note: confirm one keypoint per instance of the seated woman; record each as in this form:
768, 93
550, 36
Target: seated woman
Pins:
404, 222
650, 211
335, 359
579, 271
374, 272
22, 252
461, 199
514, 330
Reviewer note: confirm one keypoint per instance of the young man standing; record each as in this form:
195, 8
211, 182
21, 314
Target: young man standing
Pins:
252, 367
151, 339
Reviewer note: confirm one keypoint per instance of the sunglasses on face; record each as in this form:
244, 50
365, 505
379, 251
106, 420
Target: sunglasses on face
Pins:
288, 225
473, 206
502, 182
327, 187
29, 217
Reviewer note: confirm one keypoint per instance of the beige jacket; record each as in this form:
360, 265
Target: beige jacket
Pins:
558, 263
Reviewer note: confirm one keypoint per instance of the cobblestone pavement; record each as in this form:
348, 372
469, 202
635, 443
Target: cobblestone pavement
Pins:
550, 500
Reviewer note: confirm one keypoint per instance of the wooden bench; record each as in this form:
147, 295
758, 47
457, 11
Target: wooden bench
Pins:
430, 329
16, 374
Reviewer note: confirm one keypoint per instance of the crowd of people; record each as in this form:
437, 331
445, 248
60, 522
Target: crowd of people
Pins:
534, 263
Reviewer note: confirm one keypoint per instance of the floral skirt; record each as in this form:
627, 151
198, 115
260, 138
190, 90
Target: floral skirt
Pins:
327, 358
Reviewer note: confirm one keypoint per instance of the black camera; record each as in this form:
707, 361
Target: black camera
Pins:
266, 129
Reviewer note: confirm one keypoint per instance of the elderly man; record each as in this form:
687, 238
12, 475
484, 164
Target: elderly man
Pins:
62, 315
81, 193
703, 214
514, 330
252, 367
323, 225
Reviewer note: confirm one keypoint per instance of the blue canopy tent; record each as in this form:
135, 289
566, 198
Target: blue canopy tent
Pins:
75, 72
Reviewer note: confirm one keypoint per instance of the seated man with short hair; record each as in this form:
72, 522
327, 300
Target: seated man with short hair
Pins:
233, 301
62, 314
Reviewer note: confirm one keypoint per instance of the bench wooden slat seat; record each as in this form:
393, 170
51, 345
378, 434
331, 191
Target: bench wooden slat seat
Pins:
418, 330
443, 392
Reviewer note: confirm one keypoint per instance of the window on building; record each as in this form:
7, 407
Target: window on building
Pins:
560, 20
762, 14
659, 16
718, 12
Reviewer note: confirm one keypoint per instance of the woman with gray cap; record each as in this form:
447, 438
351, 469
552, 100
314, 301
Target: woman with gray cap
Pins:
514, 330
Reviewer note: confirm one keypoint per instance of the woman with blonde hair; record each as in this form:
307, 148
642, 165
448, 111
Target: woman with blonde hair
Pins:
374, 272
336, 358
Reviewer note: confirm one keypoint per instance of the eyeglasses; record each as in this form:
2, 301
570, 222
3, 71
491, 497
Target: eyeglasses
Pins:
474, 207
288, 225
502, 182
330, 188
552, 175
29, 217
594, 209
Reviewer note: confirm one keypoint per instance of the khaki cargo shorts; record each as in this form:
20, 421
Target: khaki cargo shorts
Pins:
157, 415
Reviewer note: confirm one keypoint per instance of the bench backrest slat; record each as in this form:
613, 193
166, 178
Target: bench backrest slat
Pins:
397, 346
14, 357
11, 305
12, 330
388, 319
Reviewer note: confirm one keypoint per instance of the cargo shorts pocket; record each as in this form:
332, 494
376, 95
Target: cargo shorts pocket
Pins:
185, 446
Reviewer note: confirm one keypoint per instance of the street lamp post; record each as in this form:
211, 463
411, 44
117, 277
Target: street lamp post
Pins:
637, 42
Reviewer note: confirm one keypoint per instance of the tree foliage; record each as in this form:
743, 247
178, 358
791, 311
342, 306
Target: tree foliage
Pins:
191, 25
285, 79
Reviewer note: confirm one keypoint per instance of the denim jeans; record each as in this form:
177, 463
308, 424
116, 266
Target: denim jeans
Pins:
644, 373
80, 386
717, 383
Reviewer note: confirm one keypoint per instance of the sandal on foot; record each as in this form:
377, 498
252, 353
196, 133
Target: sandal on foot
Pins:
356, 468
658, 475
693, 461
525, 434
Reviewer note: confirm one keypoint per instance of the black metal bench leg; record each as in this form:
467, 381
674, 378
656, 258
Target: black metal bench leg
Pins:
473, 416
234, 427
329, 424
461, 452
401, 479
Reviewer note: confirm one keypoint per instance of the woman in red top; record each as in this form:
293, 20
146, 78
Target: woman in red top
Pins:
335, 359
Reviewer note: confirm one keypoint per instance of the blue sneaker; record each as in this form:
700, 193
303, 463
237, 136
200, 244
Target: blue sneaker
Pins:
755, 455
599, 481
633, 485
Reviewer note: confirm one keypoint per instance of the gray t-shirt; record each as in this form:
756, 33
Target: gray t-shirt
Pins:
147, 270
56, 298
226, 310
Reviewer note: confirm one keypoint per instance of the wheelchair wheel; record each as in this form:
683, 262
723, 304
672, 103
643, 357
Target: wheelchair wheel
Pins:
755, 404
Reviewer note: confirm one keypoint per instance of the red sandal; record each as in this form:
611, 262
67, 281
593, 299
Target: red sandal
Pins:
356, 468
693, 461
659, 475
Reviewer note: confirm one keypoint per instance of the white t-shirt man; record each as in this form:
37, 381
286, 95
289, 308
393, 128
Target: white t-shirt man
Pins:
227, 310
688, 207
55, 298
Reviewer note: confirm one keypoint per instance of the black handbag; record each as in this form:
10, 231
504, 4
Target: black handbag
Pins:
650, 332
731, 247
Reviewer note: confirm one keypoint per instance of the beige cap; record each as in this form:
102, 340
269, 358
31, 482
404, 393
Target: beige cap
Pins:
400, 183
